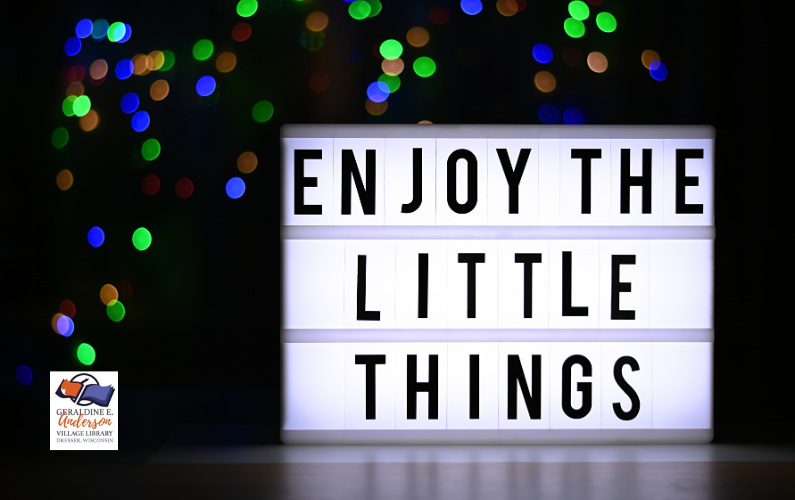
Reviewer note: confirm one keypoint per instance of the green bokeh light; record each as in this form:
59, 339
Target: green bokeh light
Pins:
82, 105
424, 66
168, 60
606, 22
574, 28
375, 7
393, 81
203, 50
359, 9
579, 10
391, 49
59, 137
68, 105
150, 149
141, 239
116, 32
116, 310
86, 354
246, 8
263, 111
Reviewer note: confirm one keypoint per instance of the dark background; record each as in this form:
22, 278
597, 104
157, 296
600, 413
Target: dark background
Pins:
200, 341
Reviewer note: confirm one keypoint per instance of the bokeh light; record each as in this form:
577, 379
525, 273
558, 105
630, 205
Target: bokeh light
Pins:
579, 10
606, 22
391, 49
84, 28
124, 69
262, 111
127, 34
184, 188
203, 50
507, 8
573, 116
573, 27
376, 108
226, 62
150, 149
542, 53
317, 21
82, 105
168, 60
205, 86
155, 60
247, 162
89, 121
76, 89
439, 15
151, 184
65, 326
424, 66
648, 57
246, 8
100, 30
64, 180
393, 82
71, 74
159, 90
545, 81
140, 64
116, 31
142, 239
67, 308
23, 373
572, 56
129, 103
548, 113
311, 40
597, 62
235, 187
424, 122
86, 354
140, 121
471, 7
68, 105
125, 289
359, 10
59, 137
241, 32
375, 7
72, 46
658, 70
96, 237
393, 67
378, 91
54, 322
319, 81
417, 37
108, 294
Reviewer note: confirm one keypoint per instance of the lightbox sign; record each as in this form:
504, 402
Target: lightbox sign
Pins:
497, 284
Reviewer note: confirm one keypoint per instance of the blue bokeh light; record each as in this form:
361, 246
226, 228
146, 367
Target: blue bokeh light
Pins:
84, 28
65, 326
96, 237
100, 30
127, 34
658, 70
548, 113
471, 7
205, 86
72, 46
573, 116
124, 69
24, 375
542, 53
140, 121
378, 91
129, 103
235, 187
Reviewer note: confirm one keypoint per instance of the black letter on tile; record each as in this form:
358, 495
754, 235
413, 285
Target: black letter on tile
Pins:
568, 309
300, 182
361, 293
513, 176
471, 259
683, 181
528, 259
350, 172
617, 287
474, 386
644, 181
370, 360
622, 383
516, 376
583, 387
408, 208
586, 155
472, 181
431, 387
422, 290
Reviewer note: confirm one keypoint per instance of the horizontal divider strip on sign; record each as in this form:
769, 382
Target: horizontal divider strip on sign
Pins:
498, 232
494, 335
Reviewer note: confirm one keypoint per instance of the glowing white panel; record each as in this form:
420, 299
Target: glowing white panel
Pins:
681, 283
399, 179
313, 398
313, 283
574, 193
582, 408
361, 149
410, 288
682, 385
524, 178
549, 182
582, 311
632, 305
461, 381
462, 311
513, 297
640, 153
636, 369
369, 300
381, 361
423, 418
316, 183
694, 182
464, 154
527, 352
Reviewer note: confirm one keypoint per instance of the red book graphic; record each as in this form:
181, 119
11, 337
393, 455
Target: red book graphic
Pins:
80, 393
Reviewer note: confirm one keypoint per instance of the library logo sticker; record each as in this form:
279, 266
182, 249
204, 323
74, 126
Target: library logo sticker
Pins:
84, 411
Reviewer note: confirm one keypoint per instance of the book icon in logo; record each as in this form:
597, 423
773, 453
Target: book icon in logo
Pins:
84, 390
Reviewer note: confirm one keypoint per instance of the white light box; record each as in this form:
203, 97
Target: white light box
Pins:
497, 284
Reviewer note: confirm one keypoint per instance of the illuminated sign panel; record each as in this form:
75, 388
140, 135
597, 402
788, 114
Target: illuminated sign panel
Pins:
497, 284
